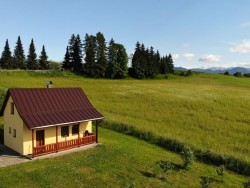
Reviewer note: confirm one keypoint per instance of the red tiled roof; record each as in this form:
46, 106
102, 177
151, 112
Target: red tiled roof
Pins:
45, 107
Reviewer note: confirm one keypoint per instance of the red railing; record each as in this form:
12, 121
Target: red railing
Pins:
55, 147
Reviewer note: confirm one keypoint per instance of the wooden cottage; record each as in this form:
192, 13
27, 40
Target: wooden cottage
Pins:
45, 120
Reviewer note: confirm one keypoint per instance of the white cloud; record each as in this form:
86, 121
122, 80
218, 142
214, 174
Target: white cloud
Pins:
210, 58
245, 24
176, 56
243, 47
188, 56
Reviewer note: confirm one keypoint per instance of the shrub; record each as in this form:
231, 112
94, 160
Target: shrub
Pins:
247, 75
238, 74
226, 73
206, 181
188, 157
246, 184
165, 165
186, 73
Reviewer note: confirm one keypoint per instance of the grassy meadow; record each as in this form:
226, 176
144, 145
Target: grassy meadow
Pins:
121, 161
209, 112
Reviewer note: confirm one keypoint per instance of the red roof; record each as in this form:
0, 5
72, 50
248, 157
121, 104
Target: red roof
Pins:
46, 107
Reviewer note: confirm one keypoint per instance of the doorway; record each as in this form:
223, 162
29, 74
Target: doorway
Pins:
40, 138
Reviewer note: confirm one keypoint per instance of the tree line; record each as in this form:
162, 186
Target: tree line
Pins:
102, 60
18, 59
94, 57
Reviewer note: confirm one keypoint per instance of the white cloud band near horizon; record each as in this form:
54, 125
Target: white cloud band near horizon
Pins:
210, 58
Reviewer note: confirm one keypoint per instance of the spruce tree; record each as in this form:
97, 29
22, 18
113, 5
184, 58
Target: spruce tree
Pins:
170, 64
32, 63
122, 59
43, 60
90, 55
6, 58
66, 62
18, 56
112, 60
100, 54
71, 50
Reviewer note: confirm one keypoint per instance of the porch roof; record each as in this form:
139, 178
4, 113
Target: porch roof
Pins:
46, 107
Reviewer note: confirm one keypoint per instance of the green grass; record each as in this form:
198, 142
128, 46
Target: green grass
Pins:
209, 112
121, 161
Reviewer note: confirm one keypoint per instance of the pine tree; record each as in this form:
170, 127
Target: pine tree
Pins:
170, 64
6, 58
100, 54
43, 60
90, 55
18, 56
77, 54
71, 50
112, 61
117, 65
66, 62
32, 63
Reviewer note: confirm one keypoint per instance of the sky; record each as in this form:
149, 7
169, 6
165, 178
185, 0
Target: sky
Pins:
198, 33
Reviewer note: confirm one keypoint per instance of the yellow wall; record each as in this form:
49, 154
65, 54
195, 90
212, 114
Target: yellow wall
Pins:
22, 143
13, 121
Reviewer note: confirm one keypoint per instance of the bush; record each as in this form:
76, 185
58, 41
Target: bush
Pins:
186, 73
206, 181
238, 74
247, 75
246, 184
226, 73
188, 157
165, 165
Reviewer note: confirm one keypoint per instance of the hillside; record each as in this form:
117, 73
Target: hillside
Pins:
208, 112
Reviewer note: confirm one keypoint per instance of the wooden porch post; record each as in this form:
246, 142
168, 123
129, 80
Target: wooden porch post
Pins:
32, 143
56, 138
96, 131
78, 127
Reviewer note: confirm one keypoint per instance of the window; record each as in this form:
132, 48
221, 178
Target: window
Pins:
10, 130
12, 107
14, 133
65, 131
75, 129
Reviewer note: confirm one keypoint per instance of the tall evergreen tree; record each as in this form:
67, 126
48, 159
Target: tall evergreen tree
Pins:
32, 63
100, 54
170, 64
117, 65
66, 62
90, 55
75, 52
18, 56
43, 60
6, 58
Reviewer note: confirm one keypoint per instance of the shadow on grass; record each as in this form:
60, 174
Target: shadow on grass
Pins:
152, 175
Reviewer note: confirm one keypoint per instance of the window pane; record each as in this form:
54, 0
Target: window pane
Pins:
64, 131
12, 107
75, 129
14, 132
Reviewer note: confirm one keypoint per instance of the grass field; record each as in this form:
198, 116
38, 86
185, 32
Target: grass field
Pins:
121, 161
209, 112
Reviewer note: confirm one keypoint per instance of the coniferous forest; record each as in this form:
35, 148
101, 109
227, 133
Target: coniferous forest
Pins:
92, 56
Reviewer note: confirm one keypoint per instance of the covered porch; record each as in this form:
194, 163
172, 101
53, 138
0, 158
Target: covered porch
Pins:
81, 137
59, 146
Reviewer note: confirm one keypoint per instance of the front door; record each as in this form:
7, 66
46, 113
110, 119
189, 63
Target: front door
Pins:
40, 138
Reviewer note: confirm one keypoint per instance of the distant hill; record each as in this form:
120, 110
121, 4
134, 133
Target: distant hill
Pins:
218, 70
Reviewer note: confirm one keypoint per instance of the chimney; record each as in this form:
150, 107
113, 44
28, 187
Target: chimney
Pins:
49, 84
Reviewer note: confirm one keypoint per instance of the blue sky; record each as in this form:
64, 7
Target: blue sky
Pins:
198, 33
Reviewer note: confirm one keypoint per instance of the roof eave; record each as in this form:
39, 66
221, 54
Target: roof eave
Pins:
67, 123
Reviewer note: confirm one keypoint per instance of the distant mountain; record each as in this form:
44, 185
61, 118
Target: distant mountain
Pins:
218, 70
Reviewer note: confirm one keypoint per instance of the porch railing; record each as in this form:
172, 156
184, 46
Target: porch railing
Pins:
55, 147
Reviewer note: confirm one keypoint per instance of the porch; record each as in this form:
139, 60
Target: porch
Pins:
64, 145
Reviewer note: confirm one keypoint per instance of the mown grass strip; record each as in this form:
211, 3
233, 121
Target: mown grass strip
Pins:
231, 163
